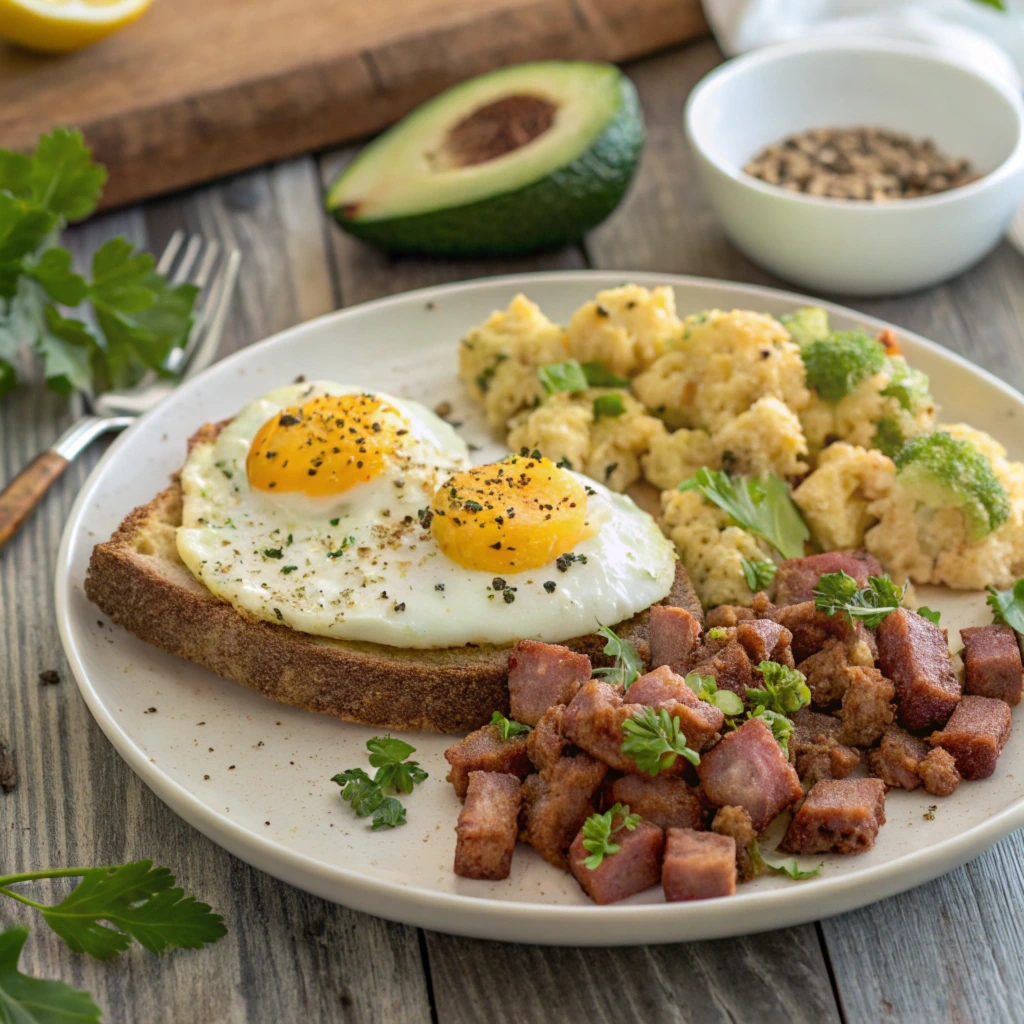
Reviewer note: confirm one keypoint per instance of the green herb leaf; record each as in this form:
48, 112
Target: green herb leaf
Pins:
609, 405
628, 663
388, 750
654, 741
1008, 605
61, 176
785, 689
599, 376
598, 830
27, 1000
838, 591
789, 868
759, 575
390, 814
706, 688
762, 505
388, 755
359, 790
54, 272
930, 614
507, 728
716, 633
780, 725
567, 376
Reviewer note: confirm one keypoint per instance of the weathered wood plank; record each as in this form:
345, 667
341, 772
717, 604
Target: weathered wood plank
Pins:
288, 956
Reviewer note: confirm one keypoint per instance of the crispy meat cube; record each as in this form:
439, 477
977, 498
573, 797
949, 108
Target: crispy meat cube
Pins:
557, 802
546, 744
828, 671
812, 629
975, 735
674, 633
816, 749
699, 721
593, 721
727, 660
896, 759
540, 675
735, 822
914, 654
992, 662
728, 615
665, 800
635, 867
748, 769
485, 751
765, 640
938, 772
796, 578
838, 816
698, 865
866, 709
488, 826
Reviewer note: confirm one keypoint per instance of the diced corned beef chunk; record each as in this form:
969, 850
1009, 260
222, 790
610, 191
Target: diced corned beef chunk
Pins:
557, 802
593, 720
765, 640
992, 662
895, 761
748, 769
866, 709
488, 826
665, 800
699, 721
684, 595
727, 615
938, 772
796, 578
540, 675
485, 751
674, 633
838, 816
914, 654
546, 744
635, 867
698, 865
726, 660
816, 750
828, 671
735, 822
811, 629
975, 735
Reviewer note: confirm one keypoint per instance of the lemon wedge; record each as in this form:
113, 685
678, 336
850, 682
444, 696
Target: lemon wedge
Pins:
59, 26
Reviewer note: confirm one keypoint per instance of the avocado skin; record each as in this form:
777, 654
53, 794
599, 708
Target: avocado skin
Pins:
553, 211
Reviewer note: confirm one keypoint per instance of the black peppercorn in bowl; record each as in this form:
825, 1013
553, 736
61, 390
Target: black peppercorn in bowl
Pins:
858, 166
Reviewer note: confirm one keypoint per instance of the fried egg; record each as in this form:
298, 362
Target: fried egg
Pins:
359, 516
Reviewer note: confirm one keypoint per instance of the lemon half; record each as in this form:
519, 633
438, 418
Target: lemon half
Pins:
59, 26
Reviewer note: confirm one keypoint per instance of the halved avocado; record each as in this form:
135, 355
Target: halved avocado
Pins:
528, 157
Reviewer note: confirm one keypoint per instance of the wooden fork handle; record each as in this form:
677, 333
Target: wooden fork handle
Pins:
24, 492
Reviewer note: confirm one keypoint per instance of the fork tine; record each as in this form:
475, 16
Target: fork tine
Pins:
184, 268
215, 315
206, 265
170, 251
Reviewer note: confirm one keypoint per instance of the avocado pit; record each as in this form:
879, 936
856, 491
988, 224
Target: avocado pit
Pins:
498, 128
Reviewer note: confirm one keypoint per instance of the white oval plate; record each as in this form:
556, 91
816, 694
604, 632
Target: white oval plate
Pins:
254, 776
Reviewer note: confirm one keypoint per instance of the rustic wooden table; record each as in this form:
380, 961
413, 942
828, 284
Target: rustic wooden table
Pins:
950, 950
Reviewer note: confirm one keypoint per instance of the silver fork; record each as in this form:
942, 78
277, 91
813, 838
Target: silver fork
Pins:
183, 260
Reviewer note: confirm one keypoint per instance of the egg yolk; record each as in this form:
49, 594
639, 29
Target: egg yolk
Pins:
509, 516
325, 446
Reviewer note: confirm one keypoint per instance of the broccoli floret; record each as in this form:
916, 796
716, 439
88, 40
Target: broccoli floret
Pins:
837, 364
945, 472
909, 387
806, 325
888, 437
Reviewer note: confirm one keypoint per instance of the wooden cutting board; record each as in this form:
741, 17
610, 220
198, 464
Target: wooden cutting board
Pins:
201, 88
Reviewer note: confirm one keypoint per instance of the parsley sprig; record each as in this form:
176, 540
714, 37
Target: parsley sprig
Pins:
780, 725
654, 740
628, 663
790, 868
598, 830
133, 316
508, 728
375, 796
706, 687
840, 592
1007, 605
762, 505
785, 689
759, 575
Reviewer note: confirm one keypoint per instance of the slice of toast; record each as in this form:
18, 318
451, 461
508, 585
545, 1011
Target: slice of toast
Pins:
140, 581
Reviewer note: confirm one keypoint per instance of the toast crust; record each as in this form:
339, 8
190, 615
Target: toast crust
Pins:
138, 579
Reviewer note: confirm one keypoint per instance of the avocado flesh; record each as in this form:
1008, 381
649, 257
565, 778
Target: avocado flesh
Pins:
421, 188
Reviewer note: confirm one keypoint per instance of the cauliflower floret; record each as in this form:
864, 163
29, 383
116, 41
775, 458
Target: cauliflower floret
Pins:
834, 499
625, 329
606, 448
722, 364
677, 456
498, 360
766, 438
711, 548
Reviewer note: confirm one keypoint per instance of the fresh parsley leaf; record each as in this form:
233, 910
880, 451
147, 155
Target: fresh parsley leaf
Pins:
762, 505
780, 725
508, 728
54, 272
929, 613
359, 790
388, 750
628, 663
609, 405
390, 814
567, 376
67, 348
716, 633
789, 868
759, 575
273, 553
599, 376
654, 741
27, 1000
785, 689
388, 755
61, 176
598, 830
1008, 605
840, 592
706, 688
394, 775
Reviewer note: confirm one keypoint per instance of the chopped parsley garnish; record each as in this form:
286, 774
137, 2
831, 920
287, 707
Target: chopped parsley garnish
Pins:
780, 725
929, 613
286, 569
388, 755
567, 376
273, 553
706, 687
598, 830
609, 405
472, 506
599, 376
628, 663
564, 463
759, 575
840, 592
394, 775
334, 522
785, 689
345, 544
1008, 605
654, 741
789, 868
716, 633
508, 728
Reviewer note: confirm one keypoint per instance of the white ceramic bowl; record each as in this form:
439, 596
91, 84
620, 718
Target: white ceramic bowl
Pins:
848, 246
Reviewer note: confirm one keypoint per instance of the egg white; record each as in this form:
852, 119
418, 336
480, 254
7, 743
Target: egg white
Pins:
392, 584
